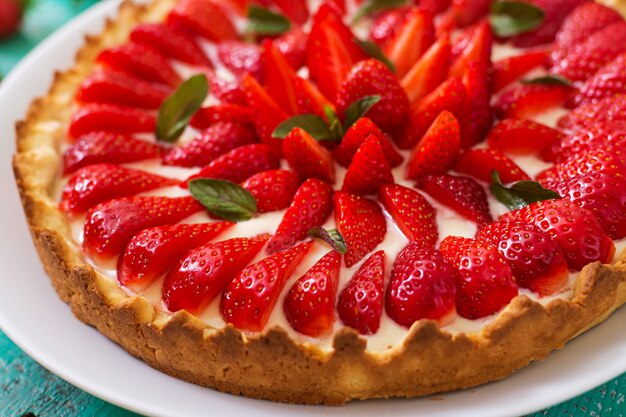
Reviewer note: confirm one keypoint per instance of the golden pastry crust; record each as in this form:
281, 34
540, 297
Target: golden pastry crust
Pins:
272, 365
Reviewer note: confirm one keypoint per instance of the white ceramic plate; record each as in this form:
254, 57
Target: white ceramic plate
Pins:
34, 318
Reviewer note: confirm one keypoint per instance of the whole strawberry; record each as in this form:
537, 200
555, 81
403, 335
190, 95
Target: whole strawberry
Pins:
11, 12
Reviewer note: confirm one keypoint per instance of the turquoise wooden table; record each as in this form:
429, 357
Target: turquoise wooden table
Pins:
27, 389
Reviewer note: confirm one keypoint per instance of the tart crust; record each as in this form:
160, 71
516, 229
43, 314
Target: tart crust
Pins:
272, 365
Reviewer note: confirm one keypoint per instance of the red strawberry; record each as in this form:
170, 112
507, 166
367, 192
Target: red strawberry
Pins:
536, 261
436, 151
99, 147
110, 118
241, 58
575, 230
310, 303
307, 157
309, 99
422, 286
292, 45
228, 91
609, 109
522, 137
484, 280
310, 207
603, 158
273, 190
110, 225
203, 273
249, 299
295, 10
279, 78
372, 77
11, 12
479, 115
428, 72
210, 144
410, 40
588, 139
555, 12
608, 81
356, 135
434, 7
360, 303
508, 70
98, 183
386, 24
477, 49
369, 169
527, 100
152, 252
204, 17
141, 61
362, 224
240, 164
468, 12
120, 88
461, 194
479, 163
171, 43
449, 96
411, 212
230, 113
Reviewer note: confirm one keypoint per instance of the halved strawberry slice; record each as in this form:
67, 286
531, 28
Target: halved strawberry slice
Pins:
522, 137
309, 99
310, 207
528, 100
109, 226
555, 12
608, 81
434, 7
360, 304
387, 23
477, 49
310, 303
279, 78
422, 286
411, 212
203, 273
98, 183
369, 169
587, 139
152, 252
536, 260
468, 12
249, 299
354, 138
429, 71
228, 91
273, 190
295, 10
436, 151
292, 45
479, 163
603, 158
362, 224
307, 157
110, 118
100, 147
241, 58
609, 109
461, 194
225, 112
508, 70
478, 115
484, 280
204, 17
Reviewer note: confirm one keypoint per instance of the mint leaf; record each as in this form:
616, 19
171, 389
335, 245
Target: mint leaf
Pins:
224, 199
520, 194
176, 111
373, 51
332, 237
370, 7
311, 123
358, 109
549, 80
265, 22
509, 18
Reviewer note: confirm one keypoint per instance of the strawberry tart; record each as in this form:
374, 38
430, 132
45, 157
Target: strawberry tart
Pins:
315, 202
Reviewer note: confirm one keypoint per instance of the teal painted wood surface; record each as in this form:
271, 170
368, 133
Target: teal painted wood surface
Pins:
27, 389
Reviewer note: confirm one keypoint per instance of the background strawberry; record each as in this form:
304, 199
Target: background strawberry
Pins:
479, 163
608, 81
523, 101
204, 17
609, 109
508, 70
11, 12
522, 136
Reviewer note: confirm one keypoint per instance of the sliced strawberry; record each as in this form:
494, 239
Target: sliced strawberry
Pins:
461, 194
411, 212
362, 224
536, 260
171, 43
295, 10
450, 96
110, 225
603, 158
98, 183
229, 113
608, 81
478, 115
240, 164
477, 49
241, 58
152, 252
436, 151
387, 23
484, 281
422, 286
468, 12
310, 207
479, 163
97, 117
307, 157
279, 78
99, 147
273, 190
210, 144
528, 100
292, 45
522, 137
360, 304
585, 140
141, 61
508, 70
203, 273
555, 12
575, 229
249, 299
609, 109
429, 71
356, 135
309, 99
434, 7
228, 91
369, 169
310, 303
204, 17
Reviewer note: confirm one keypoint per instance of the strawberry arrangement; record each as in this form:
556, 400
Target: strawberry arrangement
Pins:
375, 137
